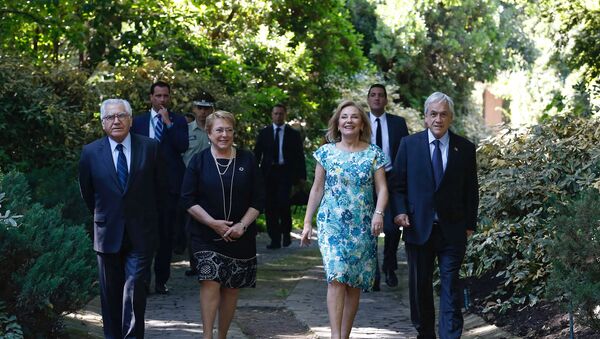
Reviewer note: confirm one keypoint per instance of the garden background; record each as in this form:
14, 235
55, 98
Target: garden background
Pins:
538, 242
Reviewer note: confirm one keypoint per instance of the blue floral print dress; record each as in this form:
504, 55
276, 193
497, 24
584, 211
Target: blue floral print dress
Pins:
344, 218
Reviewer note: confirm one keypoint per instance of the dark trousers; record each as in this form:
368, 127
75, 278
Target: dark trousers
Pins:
420, 278
123, 282
391, 241
277, 208
166, 229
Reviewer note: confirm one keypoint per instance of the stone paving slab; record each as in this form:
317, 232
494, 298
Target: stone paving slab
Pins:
383, 314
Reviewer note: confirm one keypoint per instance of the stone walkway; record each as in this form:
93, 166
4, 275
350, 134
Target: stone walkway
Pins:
383, 314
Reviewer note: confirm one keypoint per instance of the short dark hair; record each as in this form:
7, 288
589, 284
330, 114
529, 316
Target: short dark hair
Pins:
377, 86
281, 106
159, 84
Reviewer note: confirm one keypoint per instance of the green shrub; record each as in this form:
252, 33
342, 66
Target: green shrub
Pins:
525, 178
47, 266
575, 252
9, 327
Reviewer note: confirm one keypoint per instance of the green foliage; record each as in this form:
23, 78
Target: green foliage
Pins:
41, 114
442, 45
9, 327
575, 274
525, 177
47, 266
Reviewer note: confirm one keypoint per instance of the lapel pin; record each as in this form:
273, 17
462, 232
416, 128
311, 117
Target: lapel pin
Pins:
455, 149
241, 169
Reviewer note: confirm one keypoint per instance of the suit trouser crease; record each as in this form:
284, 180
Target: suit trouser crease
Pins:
421, 260
123, 293
278, 213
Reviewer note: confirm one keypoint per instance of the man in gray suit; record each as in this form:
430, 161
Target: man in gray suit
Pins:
121, 181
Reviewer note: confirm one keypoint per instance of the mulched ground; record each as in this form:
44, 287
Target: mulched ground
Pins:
544, 320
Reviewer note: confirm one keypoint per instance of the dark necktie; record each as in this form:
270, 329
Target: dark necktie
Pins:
122, 171
276, 149
436, 161
378, 138
158, 128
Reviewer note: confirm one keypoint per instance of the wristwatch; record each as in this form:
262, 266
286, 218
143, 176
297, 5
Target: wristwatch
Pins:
379, 212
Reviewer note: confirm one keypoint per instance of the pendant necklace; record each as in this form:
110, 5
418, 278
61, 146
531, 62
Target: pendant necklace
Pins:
226, 214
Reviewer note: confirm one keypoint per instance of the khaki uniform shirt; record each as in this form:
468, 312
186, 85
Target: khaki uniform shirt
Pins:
198, 141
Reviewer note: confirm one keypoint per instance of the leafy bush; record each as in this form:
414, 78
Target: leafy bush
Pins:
47, 266
9, 327
575, 274
525, 177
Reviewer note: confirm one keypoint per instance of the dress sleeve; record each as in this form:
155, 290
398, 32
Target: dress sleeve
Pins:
258, 187
380, 159
321, 155
190, 189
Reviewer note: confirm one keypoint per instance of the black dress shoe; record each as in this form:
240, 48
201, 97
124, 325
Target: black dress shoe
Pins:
391, 279
287, 240
161, 289
191, 273
376, 287
273, 246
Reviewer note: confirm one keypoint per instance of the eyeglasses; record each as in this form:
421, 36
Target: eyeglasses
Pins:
111, 118
220, 130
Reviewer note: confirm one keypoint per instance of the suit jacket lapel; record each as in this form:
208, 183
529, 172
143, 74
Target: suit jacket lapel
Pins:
453, 156
135, 160
107, 160
424, 145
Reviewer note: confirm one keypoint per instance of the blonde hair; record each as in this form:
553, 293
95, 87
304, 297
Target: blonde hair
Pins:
210, 120
334, 134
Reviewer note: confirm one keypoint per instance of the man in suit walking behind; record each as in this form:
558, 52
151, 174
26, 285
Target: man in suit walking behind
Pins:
121, 181
171, 131
388, 130
280, 153
435, 198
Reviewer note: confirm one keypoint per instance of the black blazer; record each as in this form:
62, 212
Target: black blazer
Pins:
412, 189
174, 142
396, 131
114, 210
292, 149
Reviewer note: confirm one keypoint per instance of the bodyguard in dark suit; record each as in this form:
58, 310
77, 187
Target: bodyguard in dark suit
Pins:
121, 181
279, 151
388, 130
171, 131
435, 198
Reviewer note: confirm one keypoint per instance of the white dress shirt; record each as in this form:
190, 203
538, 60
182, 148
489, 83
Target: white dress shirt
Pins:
281, 131
385, 140
126, 150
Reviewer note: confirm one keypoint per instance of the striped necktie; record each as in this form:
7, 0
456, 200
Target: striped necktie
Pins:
158, 128
122, 171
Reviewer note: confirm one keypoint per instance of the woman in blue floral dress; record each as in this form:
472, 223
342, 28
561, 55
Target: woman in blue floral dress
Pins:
349, 220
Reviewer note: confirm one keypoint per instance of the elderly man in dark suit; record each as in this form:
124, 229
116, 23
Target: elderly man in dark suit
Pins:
435, 198
280, 153
121, 181
388, 130
171, 131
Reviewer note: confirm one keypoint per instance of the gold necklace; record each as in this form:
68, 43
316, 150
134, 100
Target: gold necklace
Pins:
226, 214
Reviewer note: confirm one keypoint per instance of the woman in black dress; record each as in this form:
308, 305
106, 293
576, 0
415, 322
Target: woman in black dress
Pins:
223, 192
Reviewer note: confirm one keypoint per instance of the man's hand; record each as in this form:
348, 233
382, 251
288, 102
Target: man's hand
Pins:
469, 233
164, 113
402, 220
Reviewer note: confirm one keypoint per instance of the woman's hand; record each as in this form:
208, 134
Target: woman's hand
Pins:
377, 224
222, 227
306, 234
235, 232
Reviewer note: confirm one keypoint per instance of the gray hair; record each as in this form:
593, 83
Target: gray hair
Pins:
106, 102
439, 97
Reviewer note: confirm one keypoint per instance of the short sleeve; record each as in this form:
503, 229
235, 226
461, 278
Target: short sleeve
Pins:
321, 155
380, 158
